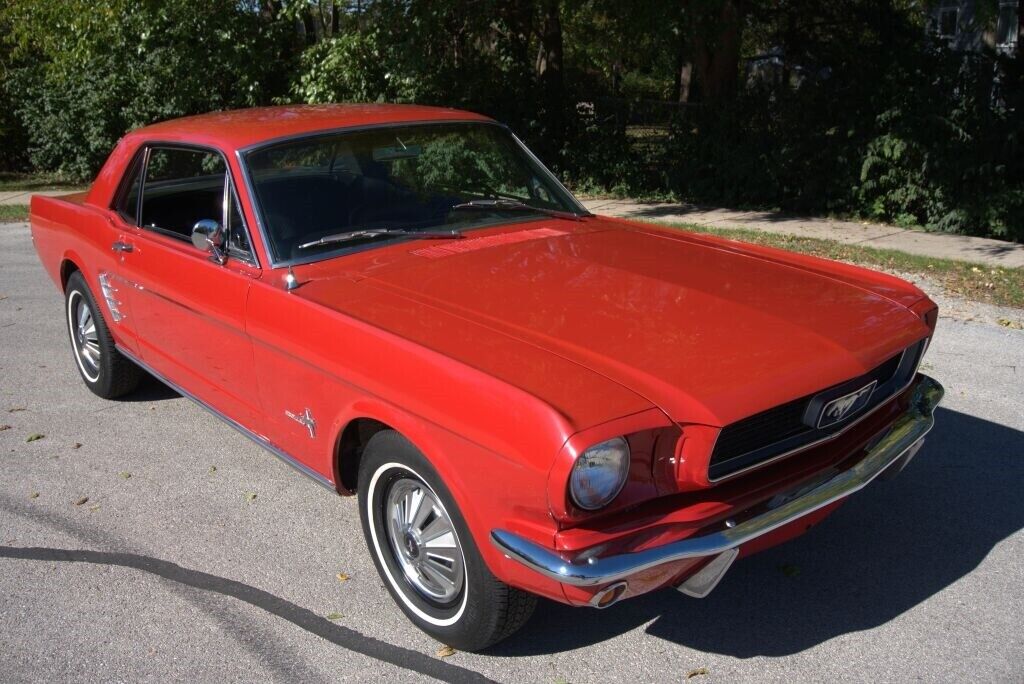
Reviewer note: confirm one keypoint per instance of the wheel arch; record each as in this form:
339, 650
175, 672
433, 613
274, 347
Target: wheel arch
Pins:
68, 266
367, 418
348, 450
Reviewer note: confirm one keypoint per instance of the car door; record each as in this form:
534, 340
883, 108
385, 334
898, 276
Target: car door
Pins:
188, 306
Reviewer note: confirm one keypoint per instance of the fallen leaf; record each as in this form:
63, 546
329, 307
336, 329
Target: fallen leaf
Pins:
34, 495
16, 409
342, 577
213, 469
124, 475
34, 437
76, 445
250, 496
81, 501
334, 617
699, 672
4, 427
445, 652
1012, 325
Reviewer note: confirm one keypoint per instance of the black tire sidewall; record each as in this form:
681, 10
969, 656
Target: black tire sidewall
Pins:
77, 289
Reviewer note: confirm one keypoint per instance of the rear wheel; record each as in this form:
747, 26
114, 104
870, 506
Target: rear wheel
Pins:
425, 554
106, 372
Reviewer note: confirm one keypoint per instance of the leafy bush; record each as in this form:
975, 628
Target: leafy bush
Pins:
867, 116
346, 68
598, 156
925, 142
84, 72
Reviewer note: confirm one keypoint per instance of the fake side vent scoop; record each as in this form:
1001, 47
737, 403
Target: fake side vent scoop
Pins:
472, 244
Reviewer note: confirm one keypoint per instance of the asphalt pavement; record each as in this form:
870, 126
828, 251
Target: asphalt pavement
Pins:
143, 539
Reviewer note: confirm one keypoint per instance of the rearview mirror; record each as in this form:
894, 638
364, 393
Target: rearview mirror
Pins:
208, 236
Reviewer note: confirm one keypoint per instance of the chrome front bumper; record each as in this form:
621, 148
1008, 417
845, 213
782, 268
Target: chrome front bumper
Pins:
893, 450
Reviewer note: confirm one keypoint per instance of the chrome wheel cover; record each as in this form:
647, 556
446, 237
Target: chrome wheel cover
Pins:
423, 541
84, 336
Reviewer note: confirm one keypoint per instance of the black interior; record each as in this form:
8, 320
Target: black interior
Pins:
175, 206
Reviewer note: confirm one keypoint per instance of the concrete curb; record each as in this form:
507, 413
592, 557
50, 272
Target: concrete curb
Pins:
25, 196
985, 251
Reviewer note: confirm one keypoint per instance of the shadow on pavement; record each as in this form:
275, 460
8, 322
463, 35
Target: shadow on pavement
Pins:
297, 615
150, 389
891, 547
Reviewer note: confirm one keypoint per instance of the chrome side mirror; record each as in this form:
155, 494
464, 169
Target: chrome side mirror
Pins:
208, 236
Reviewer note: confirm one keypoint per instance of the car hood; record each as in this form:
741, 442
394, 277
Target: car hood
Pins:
709, 331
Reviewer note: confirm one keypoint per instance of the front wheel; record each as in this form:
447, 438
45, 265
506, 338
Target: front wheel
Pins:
425, 554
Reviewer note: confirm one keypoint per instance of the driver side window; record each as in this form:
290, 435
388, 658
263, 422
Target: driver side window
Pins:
183, 186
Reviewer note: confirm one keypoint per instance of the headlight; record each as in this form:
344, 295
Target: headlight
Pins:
599, 474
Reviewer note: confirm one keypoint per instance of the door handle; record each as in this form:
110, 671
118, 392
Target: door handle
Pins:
121, 247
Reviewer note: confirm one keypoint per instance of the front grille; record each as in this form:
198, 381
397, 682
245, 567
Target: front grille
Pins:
784, 428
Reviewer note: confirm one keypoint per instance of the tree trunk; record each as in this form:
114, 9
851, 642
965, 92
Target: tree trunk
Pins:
716, 51
683, 78
550, 73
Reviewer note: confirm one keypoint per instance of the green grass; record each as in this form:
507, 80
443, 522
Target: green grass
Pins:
1001, 286
34, 181
13, 212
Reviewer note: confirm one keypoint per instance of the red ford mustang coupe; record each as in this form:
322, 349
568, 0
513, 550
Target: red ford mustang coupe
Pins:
404, 304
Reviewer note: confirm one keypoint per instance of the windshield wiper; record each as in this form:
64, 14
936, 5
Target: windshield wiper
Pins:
369, 233
501, 204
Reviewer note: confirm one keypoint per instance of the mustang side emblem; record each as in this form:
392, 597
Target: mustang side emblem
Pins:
842, 407
305, 419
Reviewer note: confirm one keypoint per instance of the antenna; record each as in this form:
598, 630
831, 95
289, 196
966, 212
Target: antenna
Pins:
290, 281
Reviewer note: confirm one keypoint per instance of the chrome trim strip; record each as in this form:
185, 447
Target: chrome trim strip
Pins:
582, 210
290, 460
906, 432
827, 438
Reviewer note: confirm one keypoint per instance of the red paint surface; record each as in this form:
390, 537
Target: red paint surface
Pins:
501, 356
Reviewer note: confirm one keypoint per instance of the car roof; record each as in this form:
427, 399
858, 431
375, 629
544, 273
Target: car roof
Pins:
241, 128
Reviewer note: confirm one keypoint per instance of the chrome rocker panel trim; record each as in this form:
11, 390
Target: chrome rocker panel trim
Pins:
907, 432
261, 441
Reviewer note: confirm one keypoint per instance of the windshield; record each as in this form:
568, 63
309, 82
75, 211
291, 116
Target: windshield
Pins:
393, 181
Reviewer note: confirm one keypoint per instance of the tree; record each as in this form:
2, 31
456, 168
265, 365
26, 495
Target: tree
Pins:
83, 72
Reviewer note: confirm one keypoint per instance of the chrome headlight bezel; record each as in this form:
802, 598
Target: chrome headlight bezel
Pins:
613, 457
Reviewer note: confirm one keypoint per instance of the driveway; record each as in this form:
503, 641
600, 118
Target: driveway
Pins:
145, 540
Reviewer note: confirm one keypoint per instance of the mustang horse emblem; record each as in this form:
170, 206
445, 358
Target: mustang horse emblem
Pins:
838, 409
